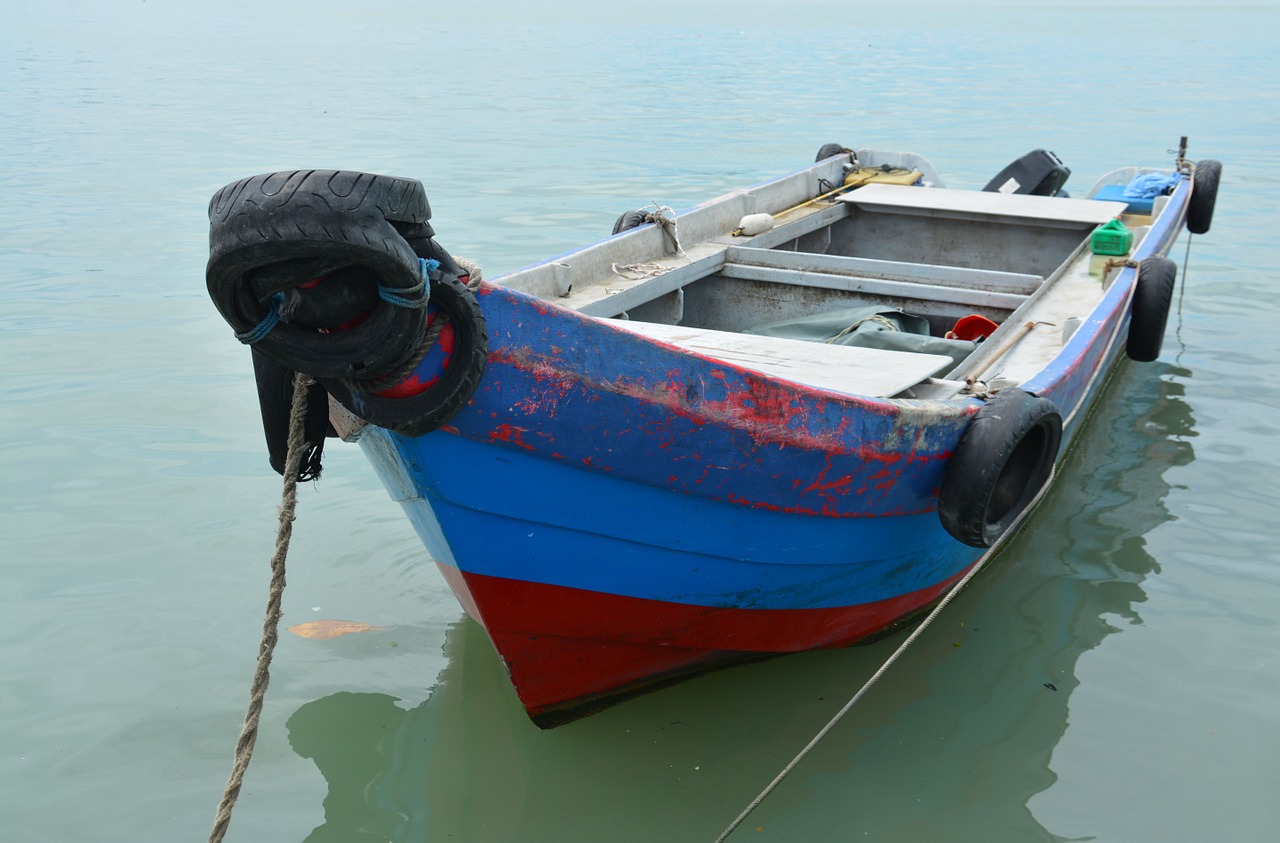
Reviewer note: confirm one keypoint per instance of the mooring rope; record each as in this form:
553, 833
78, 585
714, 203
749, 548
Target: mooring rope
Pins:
288, 507
270, 623
902, 648
1182, 289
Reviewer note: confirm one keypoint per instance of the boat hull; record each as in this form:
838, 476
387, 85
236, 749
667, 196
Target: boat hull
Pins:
619, 513
612, 531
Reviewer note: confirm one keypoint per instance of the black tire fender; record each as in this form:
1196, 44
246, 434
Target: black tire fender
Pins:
271, 233
1204, 196
421, 239
830, 150
1149, 310
1003, 459
630, 220
453, 388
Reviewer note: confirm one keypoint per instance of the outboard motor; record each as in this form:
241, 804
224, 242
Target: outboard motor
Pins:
1038, 173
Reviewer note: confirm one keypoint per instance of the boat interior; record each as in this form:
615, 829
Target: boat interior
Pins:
1017, 260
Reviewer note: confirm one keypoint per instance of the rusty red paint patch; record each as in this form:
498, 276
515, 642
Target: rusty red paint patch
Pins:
511, 435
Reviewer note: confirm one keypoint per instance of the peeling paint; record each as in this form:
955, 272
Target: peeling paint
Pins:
614, 401
511, 435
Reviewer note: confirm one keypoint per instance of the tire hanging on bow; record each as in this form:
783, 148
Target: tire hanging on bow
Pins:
333, 273
443, 381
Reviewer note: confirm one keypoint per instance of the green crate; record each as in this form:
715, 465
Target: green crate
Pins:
1114, 238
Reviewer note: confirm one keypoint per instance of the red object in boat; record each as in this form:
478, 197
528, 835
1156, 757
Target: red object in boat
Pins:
973, 327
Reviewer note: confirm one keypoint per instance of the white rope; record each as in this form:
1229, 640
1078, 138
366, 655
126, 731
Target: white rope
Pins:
472, 269
638, 270
902, 648
888, 324
659, 217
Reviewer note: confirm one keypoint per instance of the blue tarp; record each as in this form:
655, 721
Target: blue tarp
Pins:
873, 326
1151, 185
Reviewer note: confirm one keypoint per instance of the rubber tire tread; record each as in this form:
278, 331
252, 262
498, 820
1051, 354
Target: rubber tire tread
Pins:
990, 443
630, 220
423, 413
1149, 310
1204, 196
421, 239
330, 219
830, 150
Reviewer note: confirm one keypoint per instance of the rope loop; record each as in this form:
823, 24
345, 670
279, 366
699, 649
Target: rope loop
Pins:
472, 271
415, 297
658, 216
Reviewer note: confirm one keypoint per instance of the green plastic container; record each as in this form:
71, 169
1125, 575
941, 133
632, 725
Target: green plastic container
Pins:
1114, 238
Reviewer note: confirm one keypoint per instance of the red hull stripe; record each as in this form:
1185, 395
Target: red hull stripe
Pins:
567, 647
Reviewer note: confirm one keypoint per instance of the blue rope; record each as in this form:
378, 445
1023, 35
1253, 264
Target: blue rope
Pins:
411, 297
259, 331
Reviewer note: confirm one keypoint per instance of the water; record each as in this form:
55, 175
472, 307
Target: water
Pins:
138, 510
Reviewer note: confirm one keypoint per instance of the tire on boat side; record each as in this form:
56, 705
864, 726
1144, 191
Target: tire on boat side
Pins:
1149, 311
1204, 196
273, 233
415, 415
630, 220
1003, 459
830, 150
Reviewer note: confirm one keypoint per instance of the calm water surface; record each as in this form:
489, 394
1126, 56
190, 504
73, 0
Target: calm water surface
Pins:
138, 510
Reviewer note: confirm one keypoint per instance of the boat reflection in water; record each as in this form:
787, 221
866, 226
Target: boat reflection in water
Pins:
953, 743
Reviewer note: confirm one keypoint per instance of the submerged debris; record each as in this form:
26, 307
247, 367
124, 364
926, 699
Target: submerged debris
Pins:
332, 629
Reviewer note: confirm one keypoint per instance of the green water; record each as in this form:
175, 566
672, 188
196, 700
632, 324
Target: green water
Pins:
1112, 677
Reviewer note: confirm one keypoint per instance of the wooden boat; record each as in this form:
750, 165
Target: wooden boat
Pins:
624, 462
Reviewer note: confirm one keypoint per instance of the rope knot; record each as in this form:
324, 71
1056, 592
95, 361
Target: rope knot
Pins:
658, 216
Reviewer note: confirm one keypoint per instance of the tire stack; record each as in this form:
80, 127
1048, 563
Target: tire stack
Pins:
335, 274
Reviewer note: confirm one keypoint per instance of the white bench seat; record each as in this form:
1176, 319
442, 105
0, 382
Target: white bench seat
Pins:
924, 201
872, 372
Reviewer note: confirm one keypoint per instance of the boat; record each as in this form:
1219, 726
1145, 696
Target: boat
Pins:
789, 418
